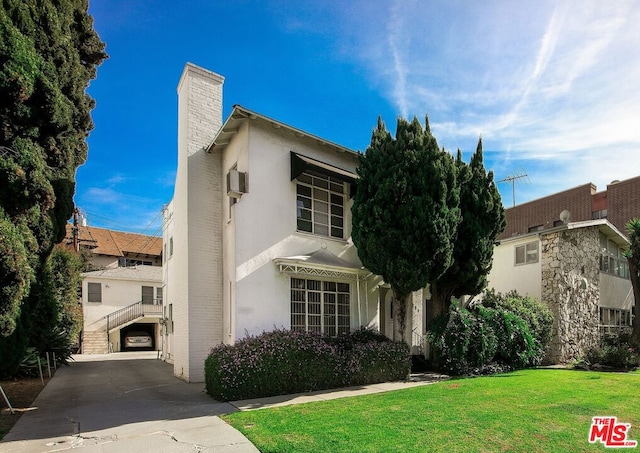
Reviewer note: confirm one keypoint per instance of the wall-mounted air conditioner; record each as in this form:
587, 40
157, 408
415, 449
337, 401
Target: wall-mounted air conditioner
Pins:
236, 183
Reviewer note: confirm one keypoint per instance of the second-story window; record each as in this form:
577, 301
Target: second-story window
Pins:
320, 205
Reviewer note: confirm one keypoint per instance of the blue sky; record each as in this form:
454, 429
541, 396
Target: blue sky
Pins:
553, 87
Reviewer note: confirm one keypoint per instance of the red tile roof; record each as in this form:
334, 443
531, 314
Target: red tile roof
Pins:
114, 243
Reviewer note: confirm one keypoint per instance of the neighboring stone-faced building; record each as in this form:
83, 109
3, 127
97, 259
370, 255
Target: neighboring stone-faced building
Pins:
578, 271
258, 233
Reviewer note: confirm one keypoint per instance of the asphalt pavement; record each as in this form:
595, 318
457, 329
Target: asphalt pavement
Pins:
124, 403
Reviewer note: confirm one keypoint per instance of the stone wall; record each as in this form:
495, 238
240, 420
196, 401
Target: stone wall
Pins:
570, 287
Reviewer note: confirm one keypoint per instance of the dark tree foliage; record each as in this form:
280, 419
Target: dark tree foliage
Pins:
57, 317
483, 220
633, 257
405, 211
49, 53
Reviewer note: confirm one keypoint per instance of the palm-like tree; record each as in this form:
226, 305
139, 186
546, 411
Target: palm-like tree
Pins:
633, 257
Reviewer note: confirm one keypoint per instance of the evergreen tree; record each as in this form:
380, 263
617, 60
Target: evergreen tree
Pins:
405, 212
483, 220
633, 257
49, 53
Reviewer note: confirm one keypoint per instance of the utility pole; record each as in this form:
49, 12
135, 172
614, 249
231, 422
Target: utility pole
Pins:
75, 232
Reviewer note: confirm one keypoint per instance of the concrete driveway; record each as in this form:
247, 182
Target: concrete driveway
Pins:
124, 402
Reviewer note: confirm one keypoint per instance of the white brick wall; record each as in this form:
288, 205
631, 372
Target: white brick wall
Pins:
194, 275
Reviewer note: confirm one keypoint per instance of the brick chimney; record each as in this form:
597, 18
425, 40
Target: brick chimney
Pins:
194, 272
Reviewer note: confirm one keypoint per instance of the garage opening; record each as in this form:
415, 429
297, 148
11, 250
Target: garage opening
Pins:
138, 337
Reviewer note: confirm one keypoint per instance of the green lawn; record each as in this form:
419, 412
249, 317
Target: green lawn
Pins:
524, 411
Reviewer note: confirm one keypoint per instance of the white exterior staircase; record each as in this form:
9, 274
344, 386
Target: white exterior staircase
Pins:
97, 341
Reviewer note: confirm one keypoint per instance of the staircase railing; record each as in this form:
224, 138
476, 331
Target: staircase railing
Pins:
131, 312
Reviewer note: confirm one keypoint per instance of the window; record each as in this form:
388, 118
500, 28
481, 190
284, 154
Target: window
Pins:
170, 246
320, 205
527, 253
600, 214
612, 259
615, 317
94, 292
147, 294
127, 262
170, 319
159, 296
320, 306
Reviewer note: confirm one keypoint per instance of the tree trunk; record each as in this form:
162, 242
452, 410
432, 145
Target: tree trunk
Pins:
399, 303
440, 302
635, 284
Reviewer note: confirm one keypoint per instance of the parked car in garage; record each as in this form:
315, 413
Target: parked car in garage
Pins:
137, 339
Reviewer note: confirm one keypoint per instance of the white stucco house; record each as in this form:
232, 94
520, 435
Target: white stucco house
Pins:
122, 289
118, 300
578, 270
257, 235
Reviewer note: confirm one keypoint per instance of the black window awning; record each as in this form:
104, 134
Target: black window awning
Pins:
301, 164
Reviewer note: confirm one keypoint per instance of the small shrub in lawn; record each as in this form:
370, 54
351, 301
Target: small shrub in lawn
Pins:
283, 362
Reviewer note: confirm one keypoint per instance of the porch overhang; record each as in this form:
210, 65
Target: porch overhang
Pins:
321, 263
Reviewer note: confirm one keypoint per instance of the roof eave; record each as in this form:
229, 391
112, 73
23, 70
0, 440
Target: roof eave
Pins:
240, 114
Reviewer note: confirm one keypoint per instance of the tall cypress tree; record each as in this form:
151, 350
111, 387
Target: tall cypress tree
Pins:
49, 53
405, 212
483, 220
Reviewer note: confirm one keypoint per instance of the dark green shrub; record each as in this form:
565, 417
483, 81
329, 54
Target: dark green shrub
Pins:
274, 363
284, 362
617, 351
482, 340
376, 361
450, 336
465, 341
537, 315
516, 346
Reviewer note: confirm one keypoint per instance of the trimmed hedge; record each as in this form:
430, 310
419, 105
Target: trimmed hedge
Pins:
282, 362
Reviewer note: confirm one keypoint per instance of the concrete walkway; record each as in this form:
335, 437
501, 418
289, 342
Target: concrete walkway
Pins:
132, 403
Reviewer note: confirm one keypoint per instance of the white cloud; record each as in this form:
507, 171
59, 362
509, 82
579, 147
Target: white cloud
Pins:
551, 87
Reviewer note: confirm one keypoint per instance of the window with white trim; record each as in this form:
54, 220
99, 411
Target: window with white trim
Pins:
320, 306
320, 205
527, 253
